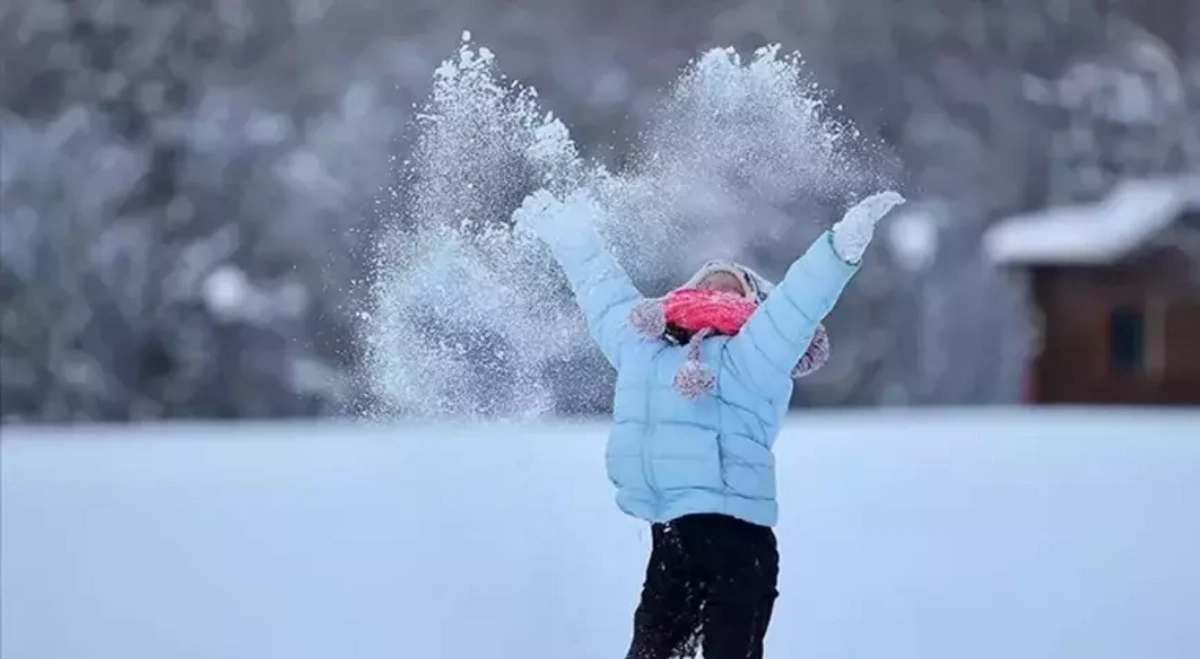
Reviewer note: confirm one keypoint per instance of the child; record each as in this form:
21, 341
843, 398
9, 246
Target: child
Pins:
704, 377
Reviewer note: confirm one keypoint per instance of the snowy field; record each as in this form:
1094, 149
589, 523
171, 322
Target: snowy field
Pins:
955, 535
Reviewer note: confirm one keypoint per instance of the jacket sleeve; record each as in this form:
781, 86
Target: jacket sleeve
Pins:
778, 333
603, 290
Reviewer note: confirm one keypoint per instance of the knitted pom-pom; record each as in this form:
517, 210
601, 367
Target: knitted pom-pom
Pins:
648, 318
816, 355
694, 379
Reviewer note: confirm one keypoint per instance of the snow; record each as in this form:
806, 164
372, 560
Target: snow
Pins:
226, 289
735, 141
1097, 233
984, 534
913, 238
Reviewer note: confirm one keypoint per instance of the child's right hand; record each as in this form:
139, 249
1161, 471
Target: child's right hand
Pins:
543, 212
854, 232
538, 209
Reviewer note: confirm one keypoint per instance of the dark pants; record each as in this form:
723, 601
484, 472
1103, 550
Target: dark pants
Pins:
710, 583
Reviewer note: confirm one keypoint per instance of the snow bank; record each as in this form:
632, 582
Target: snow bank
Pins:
990, 535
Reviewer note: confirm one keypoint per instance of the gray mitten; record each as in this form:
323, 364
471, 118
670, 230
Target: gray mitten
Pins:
853, 233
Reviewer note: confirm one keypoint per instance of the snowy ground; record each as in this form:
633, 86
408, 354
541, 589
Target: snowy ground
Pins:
980, 535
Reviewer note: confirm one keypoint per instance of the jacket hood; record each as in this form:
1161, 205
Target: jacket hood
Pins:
757, 286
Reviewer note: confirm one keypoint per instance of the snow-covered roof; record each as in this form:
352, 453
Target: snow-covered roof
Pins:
1096, 233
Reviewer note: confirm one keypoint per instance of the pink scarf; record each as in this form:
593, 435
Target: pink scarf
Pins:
696, 309
700, 313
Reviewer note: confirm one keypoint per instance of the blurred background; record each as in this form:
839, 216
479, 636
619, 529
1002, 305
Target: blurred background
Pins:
189, 188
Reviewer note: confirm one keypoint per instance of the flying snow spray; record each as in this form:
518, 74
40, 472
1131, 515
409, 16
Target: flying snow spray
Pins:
469, 319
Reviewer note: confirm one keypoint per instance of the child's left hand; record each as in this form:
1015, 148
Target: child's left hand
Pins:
854, 232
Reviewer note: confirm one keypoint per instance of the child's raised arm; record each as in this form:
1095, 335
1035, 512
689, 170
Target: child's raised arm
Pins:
601, 286
779, 332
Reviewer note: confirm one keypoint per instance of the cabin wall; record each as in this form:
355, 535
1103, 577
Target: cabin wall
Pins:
1121, 334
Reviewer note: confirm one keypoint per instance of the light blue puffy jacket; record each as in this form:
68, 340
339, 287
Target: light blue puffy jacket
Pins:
669, 456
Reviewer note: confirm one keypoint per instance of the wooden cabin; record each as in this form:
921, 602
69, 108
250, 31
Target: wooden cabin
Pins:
1116, 289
